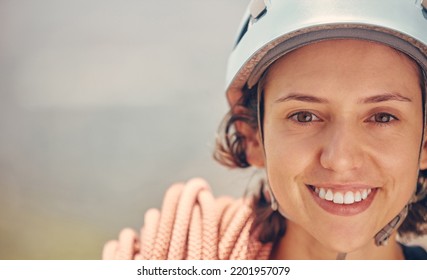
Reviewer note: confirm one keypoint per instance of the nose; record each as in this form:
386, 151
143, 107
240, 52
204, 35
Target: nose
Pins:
342, 149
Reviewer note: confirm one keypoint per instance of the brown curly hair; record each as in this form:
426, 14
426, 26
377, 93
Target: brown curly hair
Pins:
231, 151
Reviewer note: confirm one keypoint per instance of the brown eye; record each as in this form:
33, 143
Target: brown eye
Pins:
382, 118
304, 117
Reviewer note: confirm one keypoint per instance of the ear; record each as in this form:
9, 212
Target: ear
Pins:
423, 156
254, 148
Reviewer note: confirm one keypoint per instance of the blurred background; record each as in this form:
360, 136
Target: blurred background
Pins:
104, 104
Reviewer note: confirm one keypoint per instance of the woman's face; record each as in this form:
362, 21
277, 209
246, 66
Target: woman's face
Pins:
342, 137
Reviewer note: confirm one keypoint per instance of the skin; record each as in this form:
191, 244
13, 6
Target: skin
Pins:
340, 113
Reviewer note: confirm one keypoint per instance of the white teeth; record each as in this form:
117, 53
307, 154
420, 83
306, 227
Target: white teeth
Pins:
364, 194
329, 195
339, 198
322, 193
348, 198
357, 197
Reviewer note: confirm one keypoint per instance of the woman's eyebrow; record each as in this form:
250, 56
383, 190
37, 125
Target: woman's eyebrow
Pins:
389, 96
393, 96
301, 97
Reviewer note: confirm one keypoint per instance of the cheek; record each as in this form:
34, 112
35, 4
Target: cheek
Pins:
398, 163
396, 153
287, 161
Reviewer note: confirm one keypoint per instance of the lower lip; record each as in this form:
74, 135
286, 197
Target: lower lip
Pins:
344, 209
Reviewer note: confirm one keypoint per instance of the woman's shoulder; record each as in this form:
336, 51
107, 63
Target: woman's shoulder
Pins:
414, 252
192, 224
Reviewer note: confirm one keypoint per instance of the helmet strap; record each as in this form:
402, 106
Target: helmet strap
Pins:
384, 234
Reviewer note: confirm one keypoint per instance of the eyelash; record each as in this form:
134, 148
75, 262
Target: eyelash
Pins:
372, 119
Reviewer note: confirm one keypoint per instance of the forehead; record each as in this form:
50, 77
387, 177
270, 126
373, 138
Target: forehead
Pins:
349, 61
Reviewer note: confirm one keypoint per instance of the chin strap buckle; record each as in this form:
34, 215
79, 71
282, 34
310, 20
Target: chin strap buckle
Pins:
384, 234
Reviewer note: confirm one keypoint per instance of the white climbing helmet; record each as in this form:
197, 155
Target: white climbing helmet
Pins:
272, 28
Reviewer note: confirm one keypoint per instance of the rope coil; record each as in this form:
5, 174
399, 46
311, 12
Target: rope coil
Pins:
192, 225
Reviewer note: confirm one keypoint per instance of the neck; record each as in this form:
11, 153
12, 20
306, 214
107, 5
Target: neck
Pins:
297, 244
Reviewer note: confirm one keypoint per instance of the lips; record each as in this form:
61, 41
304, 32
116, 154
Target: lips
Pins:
343, 201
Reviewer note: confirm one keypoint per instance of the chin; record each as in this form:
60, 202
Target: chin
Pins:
346, 242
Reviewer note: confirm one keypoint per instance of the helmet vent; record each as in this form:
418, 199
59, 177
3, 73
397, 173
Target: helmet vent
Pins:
424, 8
257, 9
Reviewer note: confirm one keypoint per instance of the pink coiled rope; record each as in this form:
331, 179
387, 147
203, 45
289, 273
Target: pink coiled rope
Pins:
192, 225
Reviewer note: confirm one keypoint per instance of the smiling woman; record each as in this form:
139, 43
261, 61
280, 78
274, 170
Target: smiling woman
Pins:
342, 141
331, 104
